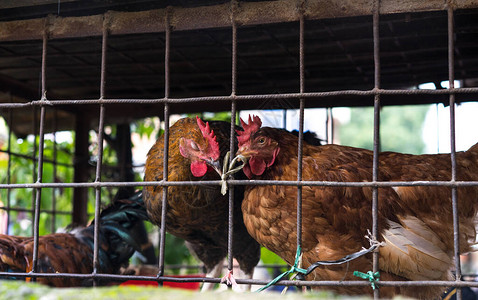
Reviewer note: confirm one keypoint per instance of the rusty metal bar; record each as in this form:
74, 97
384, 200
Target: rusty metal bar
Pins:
327, 121
9, 152
291, 96
376, 134
240, 182
301, 124
9, 166
297, 283
29, 210
193, 18
55, 172
99, 161
329, 125
41, 142
200, 266
454, 194
34, 160
230, 228
98, 188
332, 126
162, 238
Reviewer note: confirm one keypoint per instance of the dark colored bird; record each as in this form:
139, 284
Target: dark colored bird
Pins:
415, 222
73, 252
309, 137
199, 214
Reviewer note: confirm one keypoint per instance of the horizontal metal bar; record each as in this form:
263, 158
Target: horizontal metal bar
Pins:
240, 281
53, 162
262, 266
296, 96
199, 17
241, 182
32, 210
36, 159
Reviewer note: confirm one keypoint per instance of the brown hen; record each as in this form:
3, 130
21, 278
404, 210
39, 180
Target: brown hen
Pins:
415, 222
199, 214
73, 252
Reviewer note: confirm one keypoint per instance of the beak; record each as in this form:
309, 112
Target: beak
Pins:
216, 165
246, 152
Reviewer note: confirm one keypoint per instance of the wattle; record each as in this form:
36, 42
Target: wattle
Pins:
258, 165
198, 168
247, 171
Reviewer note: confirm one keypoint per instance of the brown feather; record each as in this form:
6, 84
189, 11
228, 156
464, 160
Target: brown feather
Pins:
198, 214
73, 252
414, 222
57, 253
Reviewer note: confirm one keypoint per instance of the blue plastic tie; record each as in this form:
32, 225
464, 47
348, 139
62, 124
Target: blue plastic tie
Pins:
293, 269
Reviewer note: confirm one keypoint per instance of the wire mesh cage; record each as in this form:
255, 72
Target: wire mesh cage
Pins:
93, 68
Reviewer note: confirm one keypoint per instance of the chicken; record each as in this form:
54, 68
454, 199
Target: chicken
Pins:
199, 214
73, 252
415, 222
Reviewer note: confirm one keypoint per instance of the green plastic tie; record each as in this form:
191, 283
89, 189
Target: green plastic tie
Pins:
370, 276
294, 269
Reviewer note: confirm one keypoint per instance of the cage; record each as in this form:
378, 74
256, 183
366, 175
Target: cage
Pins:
94, 68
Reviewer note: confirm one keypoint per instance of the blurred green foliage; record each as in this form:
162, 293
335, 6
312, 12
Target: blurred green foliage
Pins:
24, 170
400, 128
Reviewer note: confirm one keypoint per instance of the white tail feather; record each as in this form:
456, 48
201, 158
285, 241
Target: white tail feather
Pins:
414, 251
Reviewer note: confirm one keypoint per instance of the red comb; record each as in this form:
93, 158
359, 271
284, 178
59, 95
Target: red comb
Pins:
209, 135
254, 124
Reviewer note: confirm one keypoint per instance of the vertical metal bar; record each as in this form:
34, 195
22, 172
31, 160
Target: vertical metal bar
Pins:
230, 230
454, 194
437, 124
9, 165
99, 161
332, 127
34, 161
55, 172
284, 119
234, 52
327, 125
40, 154
165, 191
376, 131
301, 127
166, 145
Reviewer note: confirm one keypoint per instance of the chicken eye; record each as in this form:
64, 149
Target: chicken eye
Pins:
194, 146
261, 140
